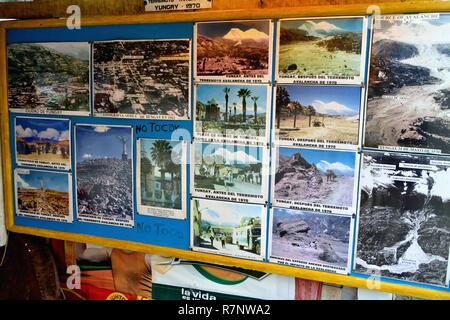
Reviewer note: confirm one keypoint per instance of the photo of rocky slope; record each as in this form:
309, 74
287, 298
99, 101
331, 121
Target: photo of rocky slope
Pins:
409, 85
404, 223
311, 237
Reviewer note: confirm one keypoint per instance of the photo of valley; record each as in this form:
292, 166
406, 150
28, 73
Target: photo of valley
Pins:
142, 78
49, 77
231, 110
409, 85
42, 192
323, 113
320, 47
161, 169
315, 176
228, 168
233, 48
404, 222
40, 141
311, 237
104, 172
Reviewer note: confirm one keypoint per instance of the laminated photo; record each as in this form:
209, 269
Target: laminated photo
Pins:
104, 174
321, 50
227, 228
230, 172
49, 77
317, 116
43, 194
409, 84
233, 51
231, 113
311, 240
315, 180
404, 220
161, 178
43, 142
147, 79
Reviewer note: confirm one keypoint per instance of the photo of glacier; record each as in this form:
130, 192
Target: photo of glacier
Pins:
409, 84
404, 222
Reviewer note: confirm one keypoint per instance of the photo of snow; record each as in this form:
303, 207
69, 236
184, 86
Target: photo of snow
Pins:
322, 49
312, 178
233, 49
317, 114
310, 240
409, 84
104, 174
404, 222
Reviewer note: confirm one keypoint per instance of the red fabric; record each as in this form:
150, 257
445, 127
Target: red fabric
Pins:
89, 292
307, 289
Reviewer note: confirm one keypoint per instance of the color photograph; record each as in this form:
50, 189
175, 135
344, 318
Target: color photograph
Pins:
404, 220
409, 85
44, 194
43, 142
231, 111
227, 228
328, 114
142, 79
162, 178
104, 174
51, 77
330, 48
234, 49
311, 240
315, 177
229, 172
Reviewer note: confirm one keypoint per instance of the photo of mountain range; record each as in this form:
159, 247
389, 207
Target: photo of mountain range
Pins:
238, 48
409, 84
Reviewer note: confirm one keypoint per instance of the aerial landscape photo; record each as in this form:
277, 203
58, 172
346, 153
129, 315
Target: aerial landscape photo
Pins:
311, 237
238, 48
320, 47
104, 172
409, 85
142, 78
49, 77
315, 176
404, 222
229, 168
228, 228
42, 141
43, 192
231, 110
329, 113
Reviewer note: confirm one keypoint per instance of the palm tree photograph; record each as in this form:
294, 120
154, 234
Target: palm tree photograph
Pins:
231, 110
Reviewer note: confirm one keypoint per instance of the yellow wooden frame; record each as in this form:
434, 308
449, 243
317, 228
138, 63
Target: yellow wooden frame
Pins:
207, 15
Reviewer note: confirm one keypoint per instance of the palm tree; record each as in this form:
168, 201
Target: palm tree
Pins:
255, 108
234, 104
244, 93
146, 168
161, 153
310, 111
283, 100
295, 107
226, 90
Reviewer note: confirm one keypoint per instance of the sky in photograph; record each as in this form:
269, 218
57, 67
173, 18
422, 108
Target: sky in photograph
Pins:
52, 180
227, 214
206, 92
345, 24
146, 147
232, 154
101, 142
36, 128
333, 100
219, 29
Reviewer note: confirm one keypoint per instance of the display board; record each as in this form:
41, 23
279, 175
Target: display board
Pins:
249, 139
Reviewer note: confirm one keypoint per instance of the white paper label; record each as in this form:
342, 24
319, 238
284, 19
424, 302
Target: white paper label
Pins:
172, 5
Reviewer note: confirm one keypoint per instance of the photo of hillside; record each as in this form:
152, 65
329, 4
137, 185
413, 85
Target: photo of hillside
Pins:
320, 47
233, 48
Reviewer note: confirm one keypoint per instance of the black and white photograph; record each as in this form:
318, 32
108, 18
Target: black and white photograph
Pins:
147, 79
104, 174
404, 220
311, 240
161, 178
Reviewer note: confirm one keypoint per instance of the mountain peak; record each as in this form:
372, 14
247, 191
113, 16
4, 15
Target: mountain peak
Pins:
236, 34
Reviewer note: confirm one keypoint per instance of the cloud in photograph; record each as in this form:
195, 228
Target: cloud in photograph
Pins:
332, 108
337, 167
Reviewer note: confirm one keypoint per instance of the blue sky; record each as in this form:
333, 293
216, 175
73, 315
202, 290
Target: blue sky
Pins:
207, 149
147, 144
92, 142
220, 29
347, 24
52, 180
315, 156
42, 128
227, 213
206, 91
350, 97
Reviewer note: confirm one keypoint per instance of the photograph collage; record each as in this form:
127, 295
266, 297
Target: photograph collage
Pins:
317, 143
